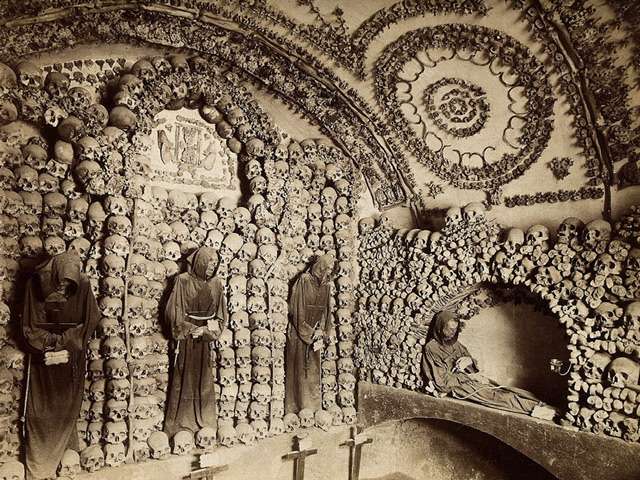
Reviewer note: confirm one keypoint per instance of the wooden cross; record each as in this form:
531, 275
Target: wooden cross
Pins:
355, 444
207, 468
299, 455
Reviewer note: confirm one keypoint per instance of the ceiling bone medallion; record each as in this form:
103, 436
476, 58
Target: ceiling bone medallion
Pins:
456, 106
449, 122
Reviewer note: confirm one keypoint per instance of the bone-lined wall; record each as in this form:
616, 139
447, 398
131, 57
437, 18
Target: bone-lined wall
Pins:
586, 276
109, 203
274, 132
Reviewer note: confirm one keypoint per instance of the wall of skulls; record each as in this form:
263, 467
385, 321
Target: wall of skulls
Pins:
75, 175
587, 276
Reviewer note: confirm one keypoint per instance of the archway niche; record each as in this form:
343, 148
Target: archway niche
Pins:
513, 338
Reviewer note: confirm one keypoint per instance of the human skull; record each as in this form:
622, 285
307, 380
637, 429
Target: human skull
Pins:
349, 415
115, 432
227, 435
595, 366
291, 422
31, 246
608, 314
69, 465
606, 265
116, 369
116, 410
172, 251
345, 398
252, 169
323, 420
115, 454
92, 458
28, 225
537, 235
597, 231
569, 230
454, 216
27, 178
29, 75
261, 375
144, 70
515, 238
623, 372
114, 347
159, 445
246, 434
119, 225
307, 419
206, 438
474, 212
8, 112
183, 442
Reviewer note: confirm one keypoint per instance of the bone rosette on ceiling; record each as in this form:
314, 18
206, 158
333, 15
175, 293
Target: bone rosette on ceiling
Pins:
471, 103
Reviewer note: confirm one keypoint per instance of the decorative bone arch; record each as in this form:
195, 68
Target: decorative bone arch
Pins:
316, 93
588, 277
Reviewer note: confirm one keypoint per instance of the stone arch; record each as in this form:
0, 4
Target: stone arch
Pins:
534, 439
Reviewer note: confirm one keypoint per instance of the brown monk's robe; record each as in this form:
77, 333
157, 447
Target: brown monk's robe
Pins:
191, 402
49, 323
438, 360
309, 311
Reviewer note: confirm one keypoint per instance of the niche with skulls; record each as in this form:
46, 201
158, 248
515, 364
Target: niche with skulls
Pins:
587, 277
171, 154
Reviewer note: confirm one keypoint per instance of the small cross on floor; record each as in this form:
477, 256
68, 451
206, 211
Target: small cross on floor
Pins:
207, 469
302, 451
355, 444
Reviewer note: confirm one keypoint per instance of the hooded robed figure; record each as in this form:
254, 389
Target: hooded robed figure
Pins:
309, 322
449, 366
60, 314
195, 314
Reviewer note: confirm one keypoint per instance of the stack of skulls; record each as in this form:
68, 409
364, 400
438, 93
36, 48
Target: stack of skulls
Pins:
44, 212
589, 289
267, 312
149, 277
380, 320
296, 174
405, 277
148, 349
217, 221
11, 378
108, 371
628, 226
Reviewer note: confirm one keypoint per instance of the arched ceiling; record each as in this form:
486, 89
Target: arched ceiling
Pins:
514, 103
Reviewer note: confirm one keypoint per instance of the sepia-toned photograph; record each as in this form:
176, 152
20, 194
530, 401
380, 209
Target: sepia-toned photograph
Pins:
320, 239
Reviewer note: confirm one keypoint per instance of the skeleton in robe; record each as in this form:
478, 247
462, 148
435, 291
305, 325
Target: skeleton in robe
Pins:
451, 369
196, 312
60, 314
309, 324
